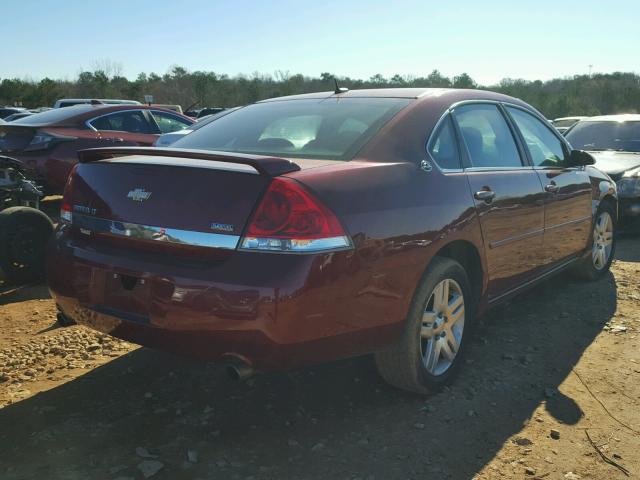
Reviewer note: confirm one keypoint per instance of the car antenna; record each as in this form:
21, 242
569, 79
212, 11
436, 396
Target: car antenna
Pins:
96, 102
339, 89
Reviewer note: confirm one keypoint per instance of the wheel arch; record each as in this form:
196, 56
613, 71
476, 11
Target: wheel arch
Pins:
612, 200
467, 255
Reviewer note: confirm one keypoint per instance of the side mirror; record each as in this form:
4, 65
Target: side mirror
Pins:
580, 158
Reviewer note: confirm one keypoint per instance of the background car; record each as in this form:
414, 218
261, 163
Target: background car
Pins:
6, 111
206, 111
565, 123
47, 142
316, 227
167, 139
17, 116
70, 102
614, 142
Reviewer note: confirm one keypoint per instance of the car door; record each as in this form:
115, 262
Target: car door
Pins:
124, 127
507, 193
568, 210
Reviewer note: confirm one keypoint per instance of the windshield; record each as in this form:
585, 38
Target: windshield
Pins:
331, 128
621, 136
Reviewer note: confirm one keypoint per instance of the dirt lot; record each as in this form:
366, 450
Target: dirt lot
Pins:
563, 358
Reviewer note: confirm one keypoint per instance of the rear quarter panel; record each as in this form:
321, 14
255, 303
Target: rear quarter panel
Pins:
399, 217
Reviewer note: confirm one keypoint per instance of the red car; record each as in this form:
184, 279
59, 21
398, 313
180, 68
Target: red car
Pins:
47, 143
316, 227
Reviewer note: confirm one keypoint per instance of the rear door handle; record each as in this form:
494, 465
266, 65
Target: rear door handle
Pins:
485, 195
551, 188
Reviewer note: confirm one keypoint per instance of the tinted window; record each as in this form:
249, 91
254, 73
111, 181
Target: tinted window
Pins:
443, 146
330, 128
487, 136
132, 121
168, 123
544, 147
596, 135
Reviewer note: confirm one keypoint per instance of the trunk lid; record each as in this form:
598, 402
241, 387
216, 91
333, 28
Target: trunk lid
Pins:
177, 203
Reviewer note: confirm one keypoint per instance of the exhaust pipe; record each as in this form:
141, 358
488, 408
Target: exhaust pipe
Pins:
238, 369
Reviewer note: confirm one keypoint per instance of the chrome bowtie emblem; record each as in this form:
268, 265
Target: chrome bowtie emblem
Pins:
139, 195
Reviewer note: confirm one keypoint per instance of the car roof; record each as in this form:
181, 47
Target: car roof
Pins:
452, 95
577, 117
625, 117
123, 101
364, 93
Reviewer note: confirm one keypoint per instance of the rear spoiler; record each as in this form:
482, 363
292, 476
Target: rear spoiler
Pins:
270, 166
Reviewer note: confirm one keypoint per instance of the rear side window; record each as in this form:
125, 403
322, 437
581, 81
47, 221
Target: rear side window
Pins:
443, 146
544, 147
132, 121
487, 136
328, 128
168, 123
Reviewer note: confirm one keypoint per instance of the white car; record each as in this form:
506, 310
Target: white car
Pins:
69, 102
563, 124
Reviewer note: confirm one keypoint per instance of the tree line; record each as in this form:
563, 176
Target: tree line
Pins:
595, 94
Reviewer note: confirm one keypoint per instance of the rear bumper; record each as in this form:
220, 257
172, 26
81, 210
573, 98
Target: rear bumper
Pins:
275, 311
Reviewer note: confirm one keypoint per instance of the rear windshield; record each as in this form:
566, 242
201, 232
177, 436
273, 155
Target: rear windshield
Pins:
623, 136
53, 115
332, 128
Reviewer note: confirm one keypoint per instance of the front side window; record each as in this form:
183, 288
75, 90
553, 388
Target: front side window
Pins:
132, 121
443, 146
328, 128
487, 136
544, 147
168, 123
605, 135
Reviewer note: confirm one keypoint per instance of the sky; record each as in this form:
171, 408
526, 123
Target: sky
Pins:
489, 39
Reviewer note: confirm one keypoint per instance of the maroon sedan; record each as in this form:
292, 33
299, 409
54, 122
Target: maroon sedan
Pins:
316, 227
47, 143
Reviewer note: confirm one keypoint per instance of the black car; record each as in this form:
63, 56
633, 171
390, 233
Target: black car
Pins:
614, 141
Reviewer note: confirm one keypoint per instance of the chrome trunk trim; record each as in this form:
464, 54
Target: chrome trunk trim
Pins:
92, 225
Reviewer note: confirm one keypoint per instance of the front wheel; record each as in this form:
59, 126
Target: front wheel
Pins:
603, 244
429, 350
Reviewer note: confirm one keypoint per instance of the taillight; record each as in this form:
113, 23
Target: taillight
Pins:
290, 219
44, 140
66, 209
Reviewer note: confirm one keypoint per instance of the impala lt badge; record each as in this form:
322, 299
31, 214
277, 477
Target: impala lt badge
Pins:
139, 195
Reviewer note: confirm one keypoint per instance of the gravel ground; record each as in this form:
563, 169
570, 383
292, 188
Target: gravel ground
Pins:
550, 390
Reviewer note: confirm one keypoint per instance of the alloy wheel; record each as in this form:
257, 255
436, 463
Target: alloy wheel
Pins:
442, 327
602, 240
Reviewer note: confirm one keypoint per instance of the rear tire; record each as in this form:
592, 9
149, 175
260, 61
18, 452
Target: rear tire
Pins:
23, 237
603, 244
430, 348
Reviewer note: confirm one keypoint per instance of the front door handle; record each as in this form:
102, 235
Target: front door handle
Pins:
485, 195
552, 187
